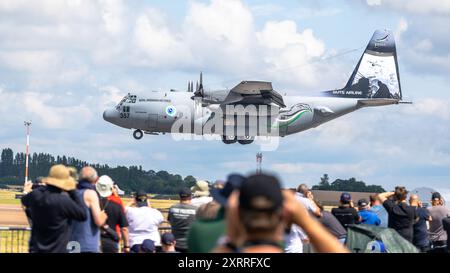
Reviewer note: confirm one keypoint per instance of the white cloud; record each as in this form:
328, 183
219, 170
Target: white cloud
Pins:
160, 156
401, 27
415, 6
434, 108
266, 9
56, 117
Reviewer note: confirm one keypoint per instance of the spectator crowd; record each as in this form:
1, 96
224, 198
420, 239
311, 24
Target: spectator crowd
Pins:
72, 211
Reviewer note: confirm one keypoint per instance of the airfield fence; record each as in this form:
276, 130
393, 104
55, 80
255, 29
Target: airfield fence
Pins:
15, 239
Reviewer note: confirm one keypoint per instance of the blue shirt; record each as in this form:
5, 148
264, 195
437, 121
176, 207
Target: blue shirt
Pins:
369, 218
381, 212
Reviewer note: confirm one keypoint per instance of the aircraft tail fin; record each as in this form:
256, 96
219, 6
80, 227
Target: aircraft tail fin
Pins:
376, 75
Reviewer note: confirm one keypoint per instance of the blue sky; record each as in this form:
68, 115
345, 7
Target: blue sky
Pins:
63, 62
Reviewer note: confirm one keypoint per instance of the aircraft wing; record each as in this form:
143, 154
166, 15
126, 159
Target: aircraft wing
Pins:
254, 92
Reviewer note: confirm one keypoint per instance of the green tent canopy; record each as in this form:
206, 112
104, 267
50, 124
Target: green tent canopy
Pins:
373, 239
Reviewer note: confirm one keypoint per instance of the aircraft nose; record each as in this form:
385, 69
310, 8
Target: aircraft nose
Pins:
109, 115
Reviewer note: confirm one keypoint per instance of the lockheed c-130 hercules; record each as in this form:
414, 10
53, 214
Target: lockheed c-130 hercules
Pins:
374, 82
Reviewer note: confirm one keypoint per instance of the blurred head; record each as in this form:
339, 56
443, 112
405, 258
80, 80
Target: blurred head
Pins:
234, 182
89, 174
261, 204
436, 199
73, 172
115, 190
141, 199
208, 211
219, 184
345, 198
185, 195
414, 200
400, 193
200, 189
148, 246
374, 200
363, 204
303, 189
38, 183
168, 242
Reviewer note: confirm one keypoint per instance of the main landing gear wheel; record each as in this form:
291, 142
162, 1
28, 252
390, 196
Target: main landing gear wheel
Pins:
138, 134
229, 139
246, 140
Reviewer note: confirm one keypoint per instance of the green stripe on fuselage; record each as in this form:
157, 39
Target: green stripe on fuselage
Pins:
297, 116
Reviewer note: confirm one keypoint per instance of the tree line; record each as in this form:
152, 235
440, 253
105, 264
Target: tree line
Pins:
346, 185
129, 179
134, 178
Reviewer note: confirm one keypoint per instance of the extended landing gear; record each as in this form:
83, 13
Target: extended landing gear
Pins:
241, 140
138, 134
246, 140
229, 139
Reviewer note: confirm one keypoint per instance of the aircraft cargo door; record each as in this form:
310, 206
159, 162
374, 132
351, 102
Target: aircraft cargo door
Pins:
152, 122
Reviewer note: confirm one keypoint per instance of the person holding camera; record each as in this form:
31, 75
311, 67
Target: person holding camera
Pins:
346, 213
401, 216
143, 220
51, 209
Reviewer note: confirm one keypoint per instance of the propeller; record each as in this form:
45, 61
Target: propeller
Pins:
199, 91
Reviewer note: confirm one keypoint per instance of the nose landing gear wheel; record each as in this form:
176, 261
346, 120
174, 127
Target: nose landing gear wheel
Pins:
138, 134
246, 140
229, 139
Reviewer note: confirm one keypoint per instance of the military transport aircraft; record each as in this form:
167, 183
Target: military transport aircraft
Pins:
374, 82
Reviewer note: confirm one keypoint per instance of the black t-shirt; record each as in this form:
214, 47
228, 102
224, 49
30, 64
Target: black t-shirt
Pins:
116, 215
181, 216
401, 218
346, 215
332, 224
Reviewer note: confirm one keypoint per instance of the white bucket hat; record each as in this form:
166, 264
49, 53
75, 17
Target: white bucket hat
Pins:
104, 186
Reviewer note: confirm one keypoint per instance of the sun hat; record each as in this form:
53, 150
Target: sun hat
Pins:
201, 188
59, 176
104, 186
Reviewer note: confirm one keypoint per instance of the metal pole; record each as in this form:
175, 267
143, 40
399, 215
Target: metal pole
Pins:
27, 124
258, 163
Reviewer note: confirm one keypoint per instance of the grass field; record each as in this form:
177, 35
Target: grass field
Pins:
8, 197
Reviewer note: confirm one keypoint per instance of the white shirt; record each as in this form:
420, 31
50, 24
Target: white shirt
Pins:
306, 202
143, 223
310, 207
294, 239
198, 201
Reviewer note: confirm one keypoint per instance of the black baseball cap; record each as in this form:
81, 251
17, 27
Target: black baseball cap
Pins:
346, 197
185, 193
261, 193
141, 199
362, 203
436, 196
167, 238
234, 182
148, 246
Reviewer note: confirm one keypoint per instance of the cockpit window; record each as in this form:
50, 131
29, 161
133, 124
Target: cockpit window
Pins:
127, 99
